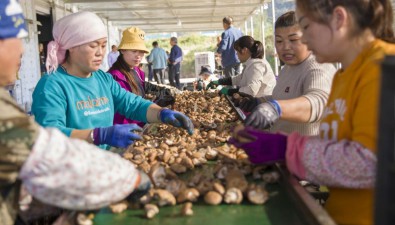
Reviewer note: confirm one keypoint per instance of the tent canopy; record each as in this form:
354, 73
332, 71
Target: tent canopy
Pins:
156, 16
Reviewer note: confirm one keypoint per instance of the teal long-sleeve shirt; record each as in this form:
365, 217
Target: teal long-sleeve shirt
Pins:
69, 102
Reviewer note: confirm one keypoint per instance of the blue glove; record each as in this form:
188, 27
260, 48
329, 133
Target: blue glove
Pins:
120, 135
264, 115
176, 119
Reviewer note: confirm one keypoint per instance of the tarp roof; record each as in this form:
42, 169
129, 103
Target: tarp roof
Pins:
157, 16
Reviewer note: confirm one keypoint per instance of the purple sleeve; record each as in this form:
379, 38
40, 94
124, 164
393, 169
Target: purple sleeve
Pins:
120, 79
332, 163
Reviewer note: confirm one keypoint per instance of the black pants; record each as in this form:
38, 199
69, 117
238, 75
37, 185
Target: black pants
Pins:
174, 75
150, 72
232, 70
158, 75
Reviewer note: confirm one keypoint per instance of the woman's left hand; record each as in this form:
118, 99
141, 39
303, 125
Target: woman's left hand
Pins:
176, 119
261, 147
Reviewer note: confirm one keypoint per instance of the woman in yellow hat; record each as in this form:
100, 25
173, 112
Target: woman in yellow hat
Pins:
132, 50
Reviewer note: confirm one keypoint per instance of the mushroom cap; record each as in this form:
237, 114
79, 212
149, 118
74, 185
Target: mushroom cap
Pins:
233, 196
213, 198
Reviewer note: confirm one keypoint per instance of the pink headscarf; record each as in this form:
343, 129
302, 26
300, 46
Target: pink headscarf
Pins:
71, 31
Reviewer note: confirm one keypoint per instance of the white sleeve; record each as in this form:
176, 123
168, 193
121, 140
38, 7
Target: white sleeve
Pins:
74, 174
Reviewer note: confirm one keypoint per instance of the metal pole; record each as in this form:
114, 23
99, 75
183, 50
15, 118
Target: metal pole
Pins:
246, 27
263, 30
252, 26
274, 39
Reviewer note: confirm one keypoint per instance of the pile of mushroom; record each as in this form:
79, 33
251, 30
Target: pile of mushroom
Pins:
167, 153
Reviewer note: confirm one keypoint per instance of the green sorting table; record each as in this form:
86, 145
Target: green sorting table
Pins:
289, 204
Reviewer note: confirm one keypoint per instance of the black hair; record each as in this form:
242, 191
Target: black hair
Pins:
287, 19
227, 20
122, 66
173, 39
155, 43
255, 47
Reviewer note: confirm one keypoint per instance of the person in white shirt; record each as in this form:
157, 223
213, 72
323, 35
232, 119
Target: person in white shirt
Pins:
257, 78
112, 56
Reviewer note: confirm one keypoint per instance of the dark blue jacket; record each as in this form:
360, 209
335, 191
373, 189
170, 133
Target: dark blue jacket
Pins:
175, 55
225, 47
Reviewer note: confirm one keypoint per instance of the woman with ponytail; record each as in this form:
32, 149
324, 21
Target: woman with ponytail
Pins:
355, 33
257, 78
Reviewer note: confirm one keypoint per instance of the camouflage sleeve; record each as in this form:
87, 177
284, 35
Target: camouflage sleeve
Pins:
17, 135
73, 174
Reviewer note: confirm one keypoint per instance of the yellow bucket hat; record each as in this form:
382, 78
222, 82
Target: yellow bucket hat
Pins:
133, 39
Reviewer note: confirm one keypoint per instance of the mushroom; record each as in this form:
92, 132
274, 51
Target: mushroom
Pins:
145, 166
128, 155
246, 169
119, 207
151, 210
195, 180
147, 197
175, 186
163, 146
165, 197
219, 188
271, 177
177, 168
213, 198
236, 179
235, 134
83, 219
170, 174
204, 186
158, 175
187, 162
222, 172
256, 172
189, 194
233, 196
211, 135
256, 194
186, 209
211, 154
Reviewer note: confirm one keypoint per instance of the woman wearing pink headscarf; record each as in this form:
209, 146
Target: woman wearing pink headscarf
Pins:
81, 100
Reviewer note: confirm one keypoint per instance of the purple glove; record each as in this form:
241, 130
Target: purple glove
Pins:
264, 147
120, 135
176, 119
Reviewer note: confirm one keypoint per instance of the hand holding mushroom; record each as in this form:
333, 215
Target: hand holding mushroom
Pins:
120, 135
261, 147
176, 119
